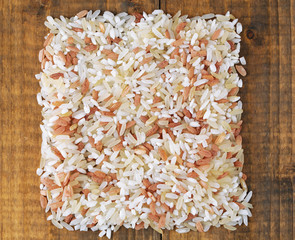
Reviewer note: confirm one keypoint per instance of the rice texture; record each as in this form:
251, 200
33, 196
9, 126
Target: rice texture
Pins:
141, 122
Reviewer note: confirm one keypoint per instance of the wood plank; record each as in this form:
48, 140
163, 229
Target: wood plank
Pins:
286, 161
268, 99
292, 168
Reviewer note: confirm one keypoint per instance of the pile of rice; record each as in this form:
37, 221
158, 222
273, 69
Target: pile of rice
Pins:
142, 122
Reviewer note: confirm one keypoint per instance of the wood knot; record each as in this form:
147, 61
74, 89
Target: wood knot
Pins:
250, 34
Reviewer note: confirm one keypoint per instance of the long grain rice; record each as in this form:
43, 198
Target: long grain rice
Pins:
142, 122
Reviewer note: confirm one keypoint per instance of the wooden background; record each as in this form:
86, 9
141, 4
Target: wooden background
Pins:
269, 121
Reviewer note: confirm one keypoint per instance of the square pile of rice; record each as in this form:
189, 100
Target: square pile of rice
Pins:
142, 122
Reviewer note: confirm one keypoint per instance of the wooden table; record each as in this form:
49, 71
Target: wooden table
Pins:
268, 43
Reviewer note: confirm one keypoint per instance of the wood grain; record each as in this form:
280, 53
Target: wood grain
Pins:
268, 44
